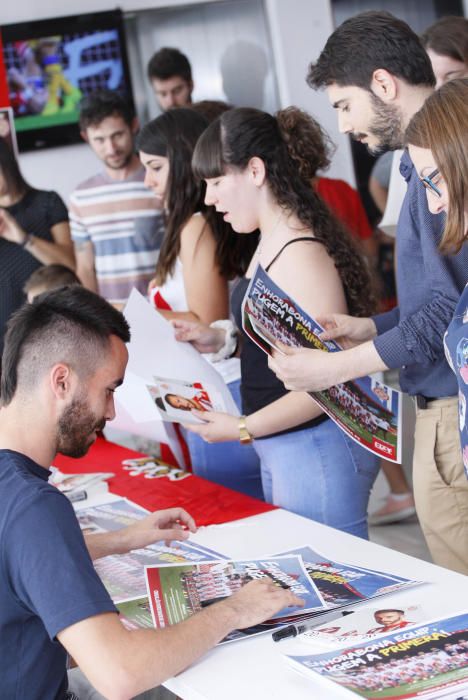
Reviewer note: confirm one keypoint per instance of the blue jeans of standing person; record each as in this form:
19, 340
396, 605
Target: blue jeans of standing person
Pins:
319, 473
227, 463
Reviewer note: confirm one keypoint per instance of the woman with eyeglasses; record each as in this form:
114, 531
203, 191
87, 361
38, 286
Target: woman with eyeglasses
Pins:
437, 138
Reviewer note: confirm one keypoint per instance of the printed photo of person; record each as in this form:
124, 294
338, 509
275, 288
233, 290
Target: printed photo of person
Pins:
389, 620
175, 399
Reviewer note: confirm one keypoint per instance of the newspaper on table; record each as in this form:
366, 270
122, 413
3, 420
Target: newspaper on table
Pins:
177, 592
123, 575
365, 624
365, 409
340, 584
427, 661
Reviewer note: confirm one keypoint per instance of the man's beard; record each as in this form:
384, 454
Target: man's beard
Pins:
386, 126
76, 428
124, 161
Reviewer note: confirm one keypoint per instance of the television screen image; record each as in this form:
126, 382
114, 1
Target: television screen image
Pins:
50, 65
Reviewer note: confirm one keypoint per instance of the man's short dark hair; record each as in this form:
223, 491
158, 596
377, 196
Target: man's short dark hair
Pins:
70, 325
365, 43
51, 277
167, 63
97, 106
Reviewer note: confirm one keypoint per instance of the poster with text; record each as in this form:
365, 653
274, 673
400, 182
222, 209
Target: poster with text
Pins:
366, 409
427, 661
365, 624
341, 584
177, 592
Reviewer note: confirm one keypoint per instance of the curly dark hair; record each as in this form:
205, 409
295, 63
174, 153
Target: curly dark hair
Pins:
173, 135
293, 147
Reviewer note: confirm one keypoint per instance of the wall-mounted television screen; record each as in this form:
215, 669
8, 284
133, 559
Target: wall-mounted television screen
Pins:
50, 65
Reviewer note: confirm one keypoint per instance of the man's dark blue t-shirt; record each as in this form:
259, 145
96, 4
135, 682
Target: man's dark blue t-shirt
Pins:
47, 581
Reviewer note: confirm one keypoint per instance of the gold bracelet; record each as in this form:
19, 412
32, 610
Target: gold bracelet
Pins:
245, 438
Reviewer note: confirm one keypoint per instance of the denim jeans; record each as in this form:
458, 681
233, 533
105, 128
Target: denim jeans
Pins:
321, 474
227, 463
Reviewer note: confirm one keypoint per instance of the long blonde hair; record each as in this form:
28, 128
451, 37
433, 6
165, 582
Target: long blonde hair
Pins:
442, 126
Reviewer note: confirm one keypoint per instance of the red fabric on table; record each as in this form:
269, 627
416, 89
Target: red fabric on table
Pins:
206, 501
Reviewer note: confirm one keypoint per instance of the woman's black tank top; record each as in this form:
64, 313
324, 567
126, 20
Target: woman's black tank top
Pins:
260, 386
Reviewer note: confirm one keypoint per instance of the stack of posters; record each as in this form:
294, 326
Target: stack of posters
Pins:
426, 661
167, 582
366, 409
123, 575
177, 592
341, 584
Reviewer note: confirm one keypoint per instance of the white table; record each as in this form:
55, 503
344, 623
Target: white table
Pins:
254, 668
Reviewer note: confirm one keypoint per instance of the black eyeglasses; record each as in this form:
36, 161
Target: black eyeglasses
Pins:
429, 184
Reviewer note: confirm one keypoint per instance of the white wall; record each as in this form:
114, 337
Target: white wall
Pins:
299, 29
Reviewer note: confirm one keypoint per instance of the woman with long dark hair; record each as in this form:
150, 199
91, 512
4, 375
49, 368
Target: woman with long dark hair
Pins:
258, 169
198, 258
34, 231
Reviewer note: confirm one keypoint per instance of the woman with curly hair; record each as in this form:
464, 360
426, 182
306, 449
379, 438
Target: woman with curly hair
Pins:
258, 171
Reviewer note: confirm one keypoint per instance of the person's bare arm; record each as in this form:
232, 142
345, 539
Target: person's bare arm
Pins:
287, 412
301, 369
59, 250
85, 269
121, 664
205, 288
166, 525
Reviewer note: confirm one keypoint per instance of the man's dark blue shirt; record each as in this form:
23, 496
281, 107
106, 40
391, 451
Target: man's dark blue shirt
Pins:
47, 581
